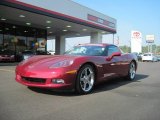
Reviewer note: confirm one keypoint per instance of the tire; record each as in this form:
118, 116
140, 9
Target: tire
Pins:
85, 79
132, 71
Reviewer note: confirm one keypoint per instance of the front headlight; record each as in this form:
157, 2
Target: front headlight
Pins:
64, 63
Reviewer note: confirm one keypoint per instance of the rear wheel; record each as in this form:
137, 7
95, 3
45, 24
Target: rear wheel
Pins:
85, 79
132, 71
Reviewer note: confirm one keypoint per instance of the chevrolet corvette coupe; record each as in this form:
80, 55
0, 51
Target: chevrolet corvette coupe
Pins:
79, 69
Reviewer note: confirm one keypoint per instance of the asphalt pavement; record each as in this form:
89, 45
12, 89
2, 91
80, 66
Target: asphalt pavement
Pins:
117, 99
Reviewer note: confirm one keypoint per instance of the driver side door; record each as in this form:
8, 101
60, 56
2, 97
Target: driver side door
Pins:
113, 61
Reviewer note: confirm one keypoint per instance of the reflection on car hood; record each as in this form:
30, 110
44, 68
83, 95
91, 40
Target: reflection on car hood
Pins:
46, 60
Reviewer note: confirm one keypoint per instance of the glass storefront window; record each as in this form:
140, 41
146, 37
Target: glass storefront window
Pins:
30, 43
1, 39
19, 38
8, 44
1, 36
41, 40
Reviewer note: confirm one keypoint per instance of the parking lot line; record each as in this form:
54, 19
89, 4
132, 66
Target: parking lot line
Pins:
7, 70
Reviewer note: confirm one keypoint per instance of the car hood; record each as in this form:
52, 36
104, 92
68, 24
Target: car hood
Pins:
45, 60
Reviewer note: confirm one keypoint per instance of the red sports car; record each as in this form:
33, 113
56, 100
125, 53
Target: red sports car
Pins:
78, 69
7, 56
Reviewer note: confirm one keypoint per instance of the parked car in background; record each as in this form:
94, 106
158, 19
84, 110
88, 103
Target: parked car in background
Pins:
149, 57
29, 53
158, 57
7, 56
42, 53
26, 54
79, 69
139, 56
52, 52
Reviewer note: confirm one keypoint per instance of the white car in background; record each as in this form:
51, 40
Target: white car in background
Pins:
52, 52
149, 57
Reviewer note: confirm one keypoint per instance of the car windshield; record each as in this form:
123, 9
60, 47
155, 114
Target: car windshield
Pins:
86, 51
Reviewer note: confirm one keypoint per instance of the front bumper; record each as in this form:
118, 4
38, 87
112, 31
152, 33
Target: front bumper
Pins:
45, 80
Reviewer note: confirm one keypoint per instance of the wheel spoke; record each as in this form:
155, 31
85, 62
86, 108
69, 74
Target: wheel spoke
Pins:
90, 75
84, 86
86, 72
82, 80
90, 84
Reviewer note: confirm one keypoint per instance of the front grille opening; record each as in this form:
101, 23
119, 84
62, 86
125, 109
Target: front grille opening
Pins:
35, 80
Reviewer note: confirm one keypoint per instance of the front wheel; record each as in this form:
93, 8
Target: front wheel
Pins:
85, 79
132, 71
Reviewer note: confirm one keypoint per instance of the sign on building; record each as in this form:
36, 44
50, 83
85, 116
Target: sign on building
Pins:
136, 41
150, 38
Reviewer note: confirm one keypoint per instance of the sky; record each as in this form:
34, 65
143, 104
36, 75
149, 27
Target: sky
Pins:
140, 15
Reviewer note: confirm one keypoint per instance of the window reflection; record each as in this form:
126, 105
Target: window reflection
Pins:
19, 38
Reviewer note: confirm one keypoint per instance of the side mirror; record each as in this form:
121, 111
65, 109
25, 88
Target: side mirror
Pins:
109, 58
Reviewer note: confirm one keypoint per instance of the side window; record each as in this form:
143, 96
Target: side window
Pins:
112, 49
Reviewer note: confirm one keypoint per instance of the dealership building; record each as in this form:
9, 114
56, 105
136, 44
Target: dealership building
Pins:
28, 24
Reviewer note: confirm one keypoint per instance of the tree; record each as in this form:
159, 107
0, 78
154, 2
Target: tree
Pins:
125, 48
